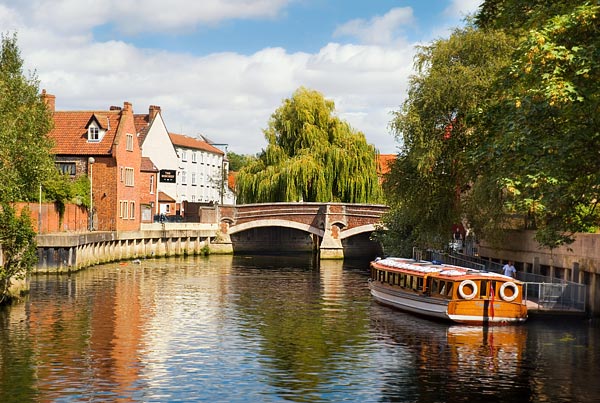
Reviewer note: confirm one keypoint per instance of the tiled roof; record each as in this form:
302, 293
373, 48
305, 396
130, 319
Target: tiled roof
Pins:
384, 162
231, 179
140, 121
70, 132
163, 197
148, 165
189, 142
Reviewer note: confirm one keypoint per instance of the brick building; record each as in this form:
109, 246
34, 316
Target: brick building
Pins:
103, 144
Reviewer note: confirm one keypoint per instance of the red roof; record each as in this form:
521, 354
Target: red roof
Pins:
148, 165
189, 142
384, 163
163, 197
70, 132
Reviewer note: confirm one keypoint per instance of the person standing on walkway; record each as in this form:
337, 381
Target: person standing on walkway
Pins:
509, 269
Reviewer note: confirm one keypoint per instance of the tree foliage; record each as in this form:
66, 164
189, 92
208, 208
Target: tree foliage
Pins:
436, 127
25, 160
544, 131
311, 156
238, 161
504, 115
25, 121
19, 249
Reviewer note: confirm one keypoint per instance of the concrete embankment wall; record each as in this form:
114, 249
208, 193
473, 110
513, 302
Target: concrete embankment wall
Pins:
59, 253
578, 262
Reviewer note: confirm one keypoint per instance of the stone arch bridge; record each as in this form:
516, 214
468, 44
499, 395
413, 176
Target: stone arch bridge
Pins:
332, 229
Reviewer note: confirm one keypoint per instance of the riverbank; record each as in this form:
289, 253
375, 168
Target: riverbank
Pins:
69, 252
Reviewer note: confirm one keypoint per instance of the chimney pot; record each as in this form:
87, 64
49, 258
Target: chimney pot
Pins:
153, 111
49, 100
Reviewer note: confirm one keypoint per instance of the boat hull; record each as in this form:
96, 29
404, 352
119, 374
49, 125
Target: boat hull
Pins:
464, 312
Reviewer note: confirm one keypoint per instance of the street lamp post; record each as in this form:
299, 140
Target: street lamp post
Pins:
91, 161
223, 181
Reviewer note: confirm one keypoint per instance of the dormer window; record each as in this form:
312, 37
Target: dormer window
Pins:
93, 133
95, 129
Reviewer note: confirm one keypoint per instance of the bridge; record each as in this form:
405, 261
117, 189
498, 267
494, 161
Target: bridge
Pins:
334, 230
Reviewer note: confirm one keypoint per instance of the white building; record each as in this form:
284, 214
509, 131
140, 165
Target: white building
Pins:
154, 140
202, 171
190, 169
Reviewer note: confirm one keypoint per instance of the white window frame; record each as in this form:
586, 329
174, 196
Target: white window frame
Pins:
129, 145
129, 177
93, 133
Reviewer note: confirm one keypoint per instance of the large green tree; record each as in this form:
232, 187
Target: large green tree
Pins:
511, 135
544, 130
436, 127
311, 156
25, 160
25, 121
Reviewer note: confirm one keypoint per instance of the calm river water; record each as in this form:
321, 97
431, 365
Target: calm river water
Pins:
270, 329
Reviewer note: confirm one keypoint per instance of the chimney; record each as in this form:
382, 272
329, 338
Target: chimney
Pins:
127, 107
153, 111
49, 100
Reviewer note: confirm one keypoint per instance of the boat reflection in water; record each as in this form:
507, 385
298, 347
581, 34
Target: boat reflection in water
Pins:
439, 361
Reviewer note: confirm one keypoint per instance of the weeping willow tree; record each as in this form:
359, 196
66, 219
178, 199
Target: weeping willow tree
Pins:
311, 156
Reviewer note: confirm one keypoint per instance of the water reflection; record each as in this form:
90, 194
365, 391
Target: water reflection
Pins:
260, 328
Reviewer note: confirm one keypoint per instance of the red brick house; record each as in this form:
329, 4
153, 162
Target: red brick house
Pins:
103, 145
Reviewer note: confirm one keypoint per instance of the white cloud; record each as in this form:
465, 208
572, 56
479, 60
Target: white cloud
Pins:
139, 16
462, 8
379, 29
227, 96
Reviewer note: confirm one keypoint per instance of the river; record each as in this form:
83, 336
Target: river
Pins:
270, 329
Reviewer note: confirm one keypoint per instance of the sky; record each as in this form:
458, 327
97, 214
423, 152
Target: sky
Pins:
220, 68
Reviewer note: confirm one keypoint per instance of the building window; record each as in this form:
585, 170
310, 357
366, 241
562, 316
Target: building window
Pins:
129, 142
168, 208
193, 198
151, 184
193, 178
194, 157
129, 177
132, 210
67, 168
184, 155
123, 209
93, 133
183, 178
122, 174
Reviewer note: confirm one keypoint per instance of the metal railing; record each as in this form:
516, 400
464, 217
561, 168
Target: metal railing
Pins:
566, 296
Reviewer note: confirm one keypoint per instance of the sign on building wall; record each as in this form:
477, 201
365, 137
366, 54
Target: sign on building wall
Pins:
168, 176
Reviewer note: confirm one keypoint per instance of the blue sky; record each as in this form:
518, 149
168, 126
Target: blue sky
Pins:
221, 67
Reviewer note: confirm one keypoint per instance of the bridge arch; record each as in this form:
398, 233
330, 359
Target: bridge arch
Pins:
333, 227
276, 223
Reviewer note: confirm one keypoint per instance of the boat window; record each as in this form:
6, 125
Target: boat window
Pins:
434, 285
442, 287
449, 290
419, 283
483, 288
402, 280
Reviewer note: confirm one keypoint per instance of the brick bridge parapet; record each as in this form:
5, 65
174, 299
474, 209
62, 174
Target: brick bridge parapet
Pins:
330, 222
